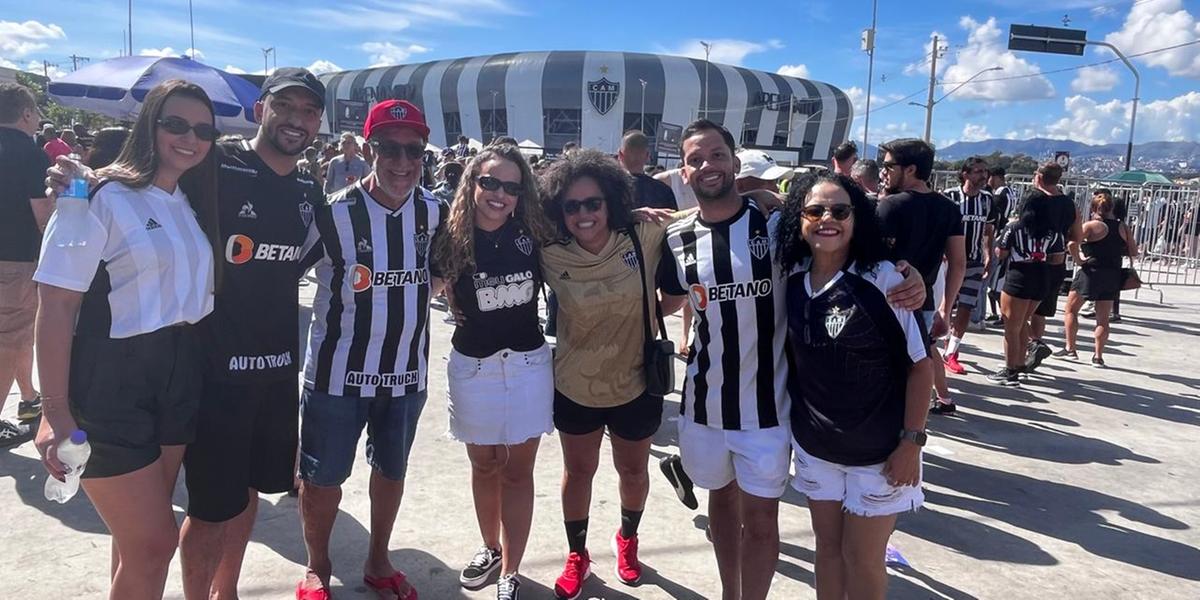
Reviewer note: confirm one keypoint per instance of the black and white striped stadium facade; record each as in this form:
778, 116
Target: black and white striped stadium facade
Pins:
591, 98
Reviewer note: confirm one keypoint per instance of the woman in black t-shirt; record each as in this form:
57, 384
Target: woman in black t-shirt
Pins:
501, 379
859, 382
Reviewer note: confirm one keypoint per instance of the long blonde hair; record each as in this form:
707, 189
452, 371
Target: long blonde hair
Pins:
454, 253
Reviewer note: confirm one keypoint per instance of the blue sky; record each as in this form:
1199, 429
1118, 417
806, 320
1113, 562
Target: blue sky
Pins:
814, 38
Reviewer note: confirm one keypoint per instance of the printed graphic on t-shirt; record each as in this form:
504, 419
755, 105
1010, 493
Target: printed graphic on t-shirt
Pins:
506, 291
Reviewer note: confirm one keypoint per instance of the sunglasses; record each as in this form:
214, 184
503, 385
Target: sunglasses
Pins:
392, 150
814, 212
492, 184
593, 204
179, 126
887, 164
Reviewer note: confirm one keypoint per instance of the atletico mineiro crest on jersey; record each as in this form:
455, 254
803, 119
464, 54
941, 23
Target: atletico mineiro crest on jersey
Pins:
630, 259
835, 321
524, 244
759, 246
306, 213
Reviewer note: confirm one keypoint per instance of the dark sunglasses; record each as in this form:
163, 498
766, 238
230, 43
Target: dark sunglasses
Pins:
592, 204
180, 126
392, 150
492, 184
814, 212
887, 164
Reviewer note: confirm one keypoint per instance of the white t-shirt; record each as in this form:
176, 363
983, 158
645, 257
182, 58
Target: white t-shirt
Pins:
147, 263
685, 196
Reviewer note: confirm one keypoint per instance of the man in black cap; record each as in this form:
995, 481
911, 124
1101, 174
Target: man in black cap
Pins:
246, 433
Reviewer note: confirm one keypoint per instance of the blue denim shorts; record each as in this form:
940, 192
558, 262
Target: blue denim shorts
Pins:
331, 425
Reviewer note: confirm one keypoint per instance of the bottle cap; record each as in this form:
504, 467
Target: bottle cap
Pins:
78, 436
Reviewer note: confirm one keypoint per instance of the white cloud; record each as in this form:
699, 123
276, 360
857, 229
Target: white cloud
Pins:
170, 52
387, 53
235, 70
858, 99
1153, 25
800, 71
19, 39
725, 51
1099, 12
36, 67
1174, 119
973, 132
320, 67
922, 67
987, 48
357, 15
1095, 79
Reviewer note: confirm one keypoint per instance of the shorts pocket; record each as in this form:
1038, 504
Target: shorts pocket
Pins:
461, 366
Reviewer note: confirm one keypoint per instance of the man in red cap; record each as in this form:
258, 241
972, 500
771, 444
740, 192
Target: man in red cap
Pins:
369, 347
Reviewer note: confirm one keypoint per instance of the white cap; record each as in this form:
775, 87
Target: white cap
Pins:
760, 165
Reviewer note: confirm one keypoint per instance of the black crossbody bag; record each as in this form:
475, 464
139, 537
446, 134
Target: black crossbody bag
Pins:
657, 353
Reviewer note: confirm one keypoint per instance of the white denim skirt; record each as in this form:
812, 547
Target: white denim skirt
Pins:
504, 399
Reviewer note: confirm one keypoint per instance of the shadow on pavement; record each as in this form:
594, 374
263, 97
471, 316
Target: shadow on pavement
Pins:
30, 478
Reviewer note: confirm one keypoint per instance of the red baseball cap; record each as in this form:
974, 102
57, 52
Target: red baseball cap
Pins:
395, 113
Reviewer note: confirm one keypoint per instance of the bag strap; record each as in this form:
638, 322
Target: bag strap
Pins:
641, 260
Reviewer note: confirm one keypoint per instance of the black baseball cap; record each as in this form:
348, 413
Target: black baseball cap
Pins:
288, 77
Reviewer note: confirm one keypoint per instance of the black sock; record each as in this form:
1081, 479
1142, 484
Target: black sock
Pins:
629, 522
577, 535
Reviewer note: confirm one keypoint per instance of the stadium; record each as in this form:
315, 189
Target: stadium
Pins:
547, 99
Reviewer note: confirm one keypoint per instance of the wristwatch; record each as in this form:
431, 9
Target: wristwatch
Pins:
916, 437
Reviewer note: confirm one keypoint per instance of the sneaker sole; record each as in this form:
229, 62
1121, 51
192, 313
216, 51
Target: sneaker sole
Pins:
616, 568
481, 581
586, 574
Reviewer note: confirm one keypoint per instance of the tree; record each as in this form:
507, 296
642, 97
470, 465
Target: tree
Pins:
1013, 165
60, 115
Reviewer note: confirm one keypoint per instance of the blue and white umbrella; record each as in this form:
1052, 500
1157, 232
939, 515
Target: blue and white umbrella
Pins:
117, 87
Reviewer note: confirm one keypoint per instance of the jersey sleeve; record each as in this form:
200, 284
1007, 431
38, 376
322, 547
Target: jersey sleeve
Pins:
668, 271
73, 268
313, 249
914, 339
954, 216
34, 184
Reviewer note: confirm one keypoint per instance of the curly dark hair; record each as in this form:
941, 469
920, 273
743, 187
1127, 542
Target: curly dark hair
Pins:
614, 182
867, 246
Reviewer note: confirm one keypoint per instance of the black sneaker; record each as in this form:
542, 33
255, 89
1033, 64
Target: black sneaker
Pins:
485, 561
1067, 354
14, 434
1114, 319
672, 467
509, 587
29, 410
942, 408
1037, 353
1097, 362
1006, 377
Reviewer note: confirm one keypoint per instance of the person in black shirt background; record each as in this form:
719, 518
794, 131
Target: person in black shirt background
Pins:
648, 192
859, 382
500, 372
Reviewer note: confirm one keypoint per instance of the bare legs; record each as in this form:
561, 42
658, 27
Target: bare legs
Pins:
502, 485
745, 535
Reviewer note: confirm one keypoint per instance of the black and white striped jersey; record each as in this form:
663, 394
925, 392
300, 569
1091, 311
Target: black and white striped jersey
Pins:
737, 370
977, 211
370, 326
1025, 247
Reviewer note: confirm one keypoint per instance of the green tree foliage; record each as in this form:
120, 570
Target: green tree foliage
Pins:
60, 115
1019, 164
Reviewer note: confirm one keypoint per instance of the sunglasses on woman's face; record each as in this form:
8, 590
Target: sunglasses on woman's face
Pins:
814, 212
179, 126
593, 204
492, 184
392, 150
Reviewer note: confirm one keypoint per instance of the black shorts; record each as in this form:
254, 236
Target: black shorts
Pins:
134, 395
1055, 276
633, 421
246, 437
1026, 280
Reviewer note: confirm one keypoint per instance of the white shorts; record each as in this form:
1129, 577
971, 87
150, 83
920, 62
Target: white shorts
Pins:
504, 399
863, 491
756, 458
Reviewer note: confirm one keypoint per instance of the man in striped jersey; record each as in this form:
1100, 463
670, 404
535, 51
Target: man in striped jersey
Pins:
369, 347
734, 436
979, 219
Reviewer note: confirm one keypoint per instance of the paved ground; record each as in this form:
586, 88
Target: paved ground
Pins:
1082, 483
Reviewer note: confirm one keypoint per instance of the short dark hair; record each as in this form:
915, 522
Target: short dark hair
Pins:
635, 140
866, 167
969, 164
701, 125
569, 146
845, 150
1051, 173
609, 175
504, 139
462, 138
15, 99
911, 152
997, 172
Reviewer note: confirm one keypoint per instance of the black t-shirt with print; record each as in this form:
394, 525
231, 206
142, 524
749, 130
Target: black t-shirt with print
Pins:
22, 173
918, 225
499, 300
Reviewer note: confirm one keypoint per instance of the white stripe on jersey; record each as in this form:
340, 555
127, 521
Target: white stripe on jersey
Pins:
976, 211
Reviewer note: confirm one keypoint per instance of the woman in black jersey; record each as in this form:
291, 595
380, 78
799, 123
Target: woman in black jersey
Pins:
859, 383
1030, 243
501, 379
1105, 241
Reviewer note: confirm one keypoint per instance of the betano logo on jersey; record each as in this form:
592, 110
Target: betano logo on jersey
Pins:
362, 278
702, 296
240, 249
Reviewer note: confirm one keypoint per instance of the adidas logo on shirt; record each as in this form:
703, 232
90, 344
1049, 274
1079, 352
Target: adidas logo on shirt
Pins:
565, 276
151, 224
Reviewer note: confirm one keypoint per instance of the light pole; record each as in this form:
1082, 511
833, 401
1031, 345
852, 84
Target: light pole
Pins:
931, 103
494, 93
642, 117
868, 45
707, 49
191, 31
266, 52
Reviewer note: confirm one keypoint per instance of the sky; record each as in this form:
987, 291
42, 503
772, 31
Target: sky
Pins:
1033, 95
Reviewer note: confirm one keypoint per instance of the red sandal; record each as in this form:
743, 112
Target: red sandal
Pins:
321, 593
391, 584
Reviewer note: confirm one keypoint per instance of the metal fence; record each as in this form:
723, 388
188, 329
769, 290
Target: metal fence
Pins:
1164, 220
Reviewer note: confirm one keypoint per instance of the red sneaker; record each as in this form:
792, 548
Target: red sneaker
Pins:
953, 366
575, 572
629, 570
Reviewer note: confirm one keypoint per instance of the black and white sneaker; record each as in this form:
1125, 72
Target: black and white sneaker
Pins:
29, 410
672, 468
14, 434
482, 565
509, 587
1037, 353
1006, 377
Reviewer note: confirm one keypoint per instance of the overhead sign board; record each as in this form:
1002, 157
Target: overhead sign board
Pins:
1052, 40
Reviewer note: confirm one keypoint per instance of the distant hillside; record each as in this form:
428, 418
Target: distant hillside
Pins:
1188, 152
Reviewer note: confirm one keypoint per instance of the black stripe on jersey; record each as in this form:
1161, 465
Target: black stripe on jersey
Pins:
395, 300
356, 357
687, 239
420, 335
95, 311
337, 281
731, 410
764, 308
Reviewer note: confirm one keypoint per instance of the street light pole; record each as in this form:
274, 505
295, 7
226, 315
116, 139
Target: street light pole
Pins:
707, 49
642, 117
266, 52
932, 82
929, 106
192, 31
869, 46
1137, 92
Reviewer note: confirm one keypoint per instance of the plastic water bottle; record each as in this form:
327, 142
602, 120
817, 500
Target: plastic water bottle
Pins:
71, 222
73, 453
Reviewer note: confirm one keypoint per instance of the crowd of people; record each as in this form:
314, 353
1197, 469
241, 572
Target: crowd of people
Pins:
813, 311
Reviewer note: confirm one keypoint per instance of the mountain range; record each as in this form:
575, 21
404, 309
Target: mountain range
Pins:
1041, 148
